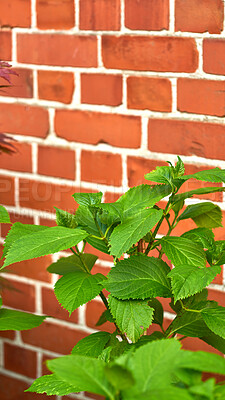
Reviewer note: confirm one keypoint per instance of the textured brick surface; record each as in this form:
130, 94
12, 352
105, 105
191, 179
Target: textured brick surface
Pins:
21, 160
214, 56
6, 45
21, 84
20, 360
51, 160
18, 296
101, 89
100, 15
15, 13
150, 15
56, 86
55, 15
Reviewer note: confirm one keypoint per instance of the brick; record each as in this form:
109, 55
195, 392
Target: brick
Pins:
6, 45
55, 15
58, 162
24, 120
137, 167
101, 89
59, 339
52, 307
196, 344
98, 253
13, 389
20, 360
199, 16
22, 296
100, 15
47, 222
21, 160
220, 232
94, 128
173, 54
56, 86
214, 56
94, 310
210, 99
45, 370
111, 197
15, 13
7, 190
22, 84
101, 167
34, 269
152, 15
62, 50
7, 334
94, 396
217, 295
45, 196
187, 138
149, 93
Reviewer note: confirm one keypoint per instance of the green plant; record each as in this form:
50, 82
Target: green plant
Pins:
129, 364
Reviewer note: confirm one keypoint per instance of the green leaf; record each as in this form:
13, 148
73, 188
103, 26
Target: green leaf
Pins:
210, 175
183, 251
206, 215
19, 230
220, 391
201, 361
161, 393
139, 277
179, 168
157, 335
73, 263
132, 317
0, 302
161, 175
77, 288
158, 311
63, 218
4, 216
215, 320
88, 199
187, 280
119, 377
47, 241
152, 366
186, 195
204, 389
215, 341
51, 385
202, 236
18, 320
132, 230
92, 345
189, 323
85, 372
106, 316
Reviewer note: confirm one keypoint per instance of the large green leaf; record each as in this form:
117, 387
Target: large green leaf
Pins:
189, 323
18, 320
132, 230
183, 251
187, 280
47, 241
52, 385
186, 195
64, 218
88, 199
215, 320
206, 215
85, 372
210, 175
73, 263
92, 345
201, 361
158, 311
202, 236
19, 230
77, 288
132, 317
119, 376
4, 216
139, 277
215, 341
161, 393
161, 175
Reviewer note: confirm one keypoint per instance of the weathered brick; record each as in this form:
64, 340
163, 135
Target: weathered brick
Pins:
6, 45
165, 54
53, 14
20, 360
24, 120
22, 84
101, 167
54, 161
15, 13
94, 310
50, 306
21, 296
45, 196
137, 167
100, 15
149, 93
62, 50
210, 99
34, 269
152, 15
59, 339
94, 128
214, 56
101, 89
199, 15
7, 190
56, 86
21, 160
187, 138
12, 388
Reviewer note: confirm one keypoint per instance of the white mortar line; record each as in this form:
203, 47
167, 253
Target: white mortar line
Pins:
16, 191
144, 137
99, 51
78, 167
14, 47
77, 92
174, 94
122, 15
199, 43
172, 16
1, 353
77, 14
34, 157
125, 186
39, 364
33, 16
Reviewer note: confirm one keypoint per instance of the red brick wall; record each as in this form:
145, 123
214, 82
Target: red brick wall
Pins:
107, 90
